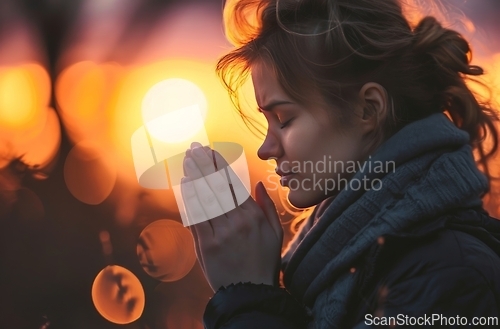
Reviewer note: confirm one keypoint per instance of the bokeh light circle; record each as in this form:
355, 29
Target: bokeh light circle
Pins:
89, 172
85, 93
168, 108
24, 94
166, 250
118, 295
43, 147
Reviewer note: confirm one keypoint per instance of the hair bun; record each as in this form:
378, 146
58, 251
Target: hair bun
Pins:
448, 48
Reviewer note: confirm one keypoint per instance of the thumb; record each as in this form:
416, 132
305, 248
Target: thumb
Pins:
267, 205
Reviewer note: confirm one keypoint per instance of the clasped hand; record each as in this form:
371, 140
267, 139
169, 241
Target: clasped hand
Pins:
238, 245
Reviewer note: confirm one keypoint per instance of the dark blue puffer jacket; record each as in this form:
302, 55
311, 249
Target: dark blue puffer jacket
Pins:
428, 276
419, 245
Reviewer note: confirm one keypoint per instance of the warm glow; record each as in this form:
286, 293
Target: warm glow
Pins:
24, 96
166, 250
241, 27
118, 295
171, 110
103, 102
490, 93
221, 122
447, 14
28, 129
42, 147
18, 96
85, 92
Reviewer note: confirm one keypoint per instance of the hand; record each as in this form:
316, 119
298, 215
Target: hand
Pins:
241, 245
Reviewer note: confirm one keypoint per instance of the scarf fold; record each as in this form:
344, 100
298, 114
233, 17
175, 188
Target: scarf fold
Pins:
434, 173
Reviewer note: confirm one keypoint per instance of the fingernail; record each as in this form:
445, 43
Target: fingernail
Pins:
198, 151
190, 163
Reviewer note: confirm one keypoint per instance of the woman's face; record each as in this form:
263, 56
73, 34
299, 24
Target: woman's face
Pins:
311, 153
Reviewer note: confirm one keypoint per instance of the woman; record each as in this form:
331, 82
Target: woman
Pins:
401, 239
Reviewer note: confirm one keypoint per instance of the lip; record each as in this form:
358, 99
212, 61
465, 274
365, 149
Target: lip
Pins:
282, 173
286, 178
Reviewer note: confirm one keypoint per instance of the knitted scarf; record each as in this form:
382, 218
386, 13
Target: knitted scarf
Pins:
435, 173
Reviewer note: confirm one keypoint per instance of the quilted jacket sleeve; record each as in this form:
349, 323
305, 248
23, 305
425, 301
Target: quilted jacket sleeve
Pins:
247, 305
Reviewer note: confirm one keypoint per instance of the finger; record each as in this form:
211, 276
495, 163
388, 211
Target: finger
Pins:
206, 196
268, 207
214, 178
239, 191
194, 209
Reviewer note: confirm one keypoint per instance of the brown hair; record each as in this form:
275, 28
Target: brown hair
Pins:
336, 46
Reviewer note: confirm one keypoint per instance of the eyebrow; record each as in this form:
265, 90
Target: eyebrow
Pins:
269, 107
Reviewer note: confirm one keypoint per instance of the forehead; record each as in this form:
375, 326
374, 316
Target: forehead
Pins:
265, 83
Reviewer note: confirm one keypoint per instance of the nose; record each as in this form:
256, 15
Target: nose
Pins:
271, 147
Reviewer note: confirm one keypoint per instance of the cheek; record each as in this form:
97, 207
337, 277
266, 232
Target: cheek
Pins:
343, 147
302, 139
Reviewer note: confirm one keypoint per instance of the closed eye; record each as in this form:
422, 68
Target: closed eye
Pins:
285, 124
282, 125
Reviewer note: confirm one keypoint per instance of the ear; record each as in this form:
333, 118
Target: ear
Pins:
374, 105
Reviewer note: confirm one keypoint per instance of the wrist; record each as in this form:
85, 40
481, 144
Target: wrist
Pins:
246, 297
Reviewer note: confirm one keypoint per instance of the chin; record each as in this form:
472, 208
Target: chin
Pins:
304, 199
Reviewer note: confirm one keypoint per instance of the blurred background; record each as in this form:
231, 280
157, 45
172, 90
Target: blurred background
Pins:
82, 244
